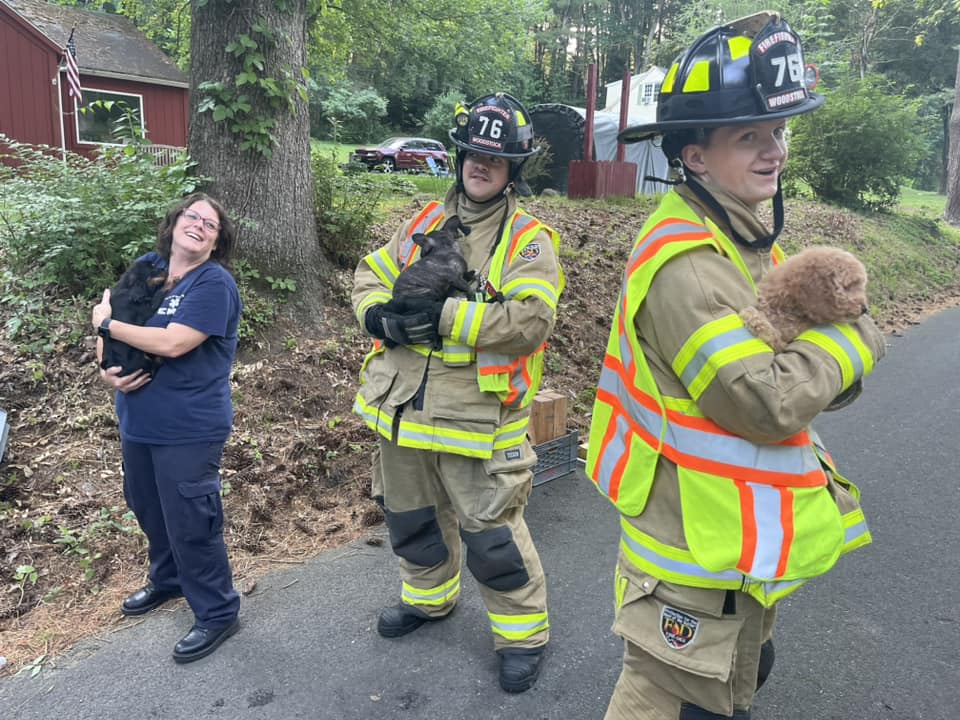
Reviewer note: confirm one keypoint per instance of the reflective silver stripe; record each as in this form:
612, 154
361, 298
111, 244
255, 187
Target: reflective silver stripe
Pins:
379, 420
519, 383
544, 289
848, 347
855, 532
612, 452
443, 592
489, 359
390, 274
663, 232
424, 224
466, 326
766, 510
678, 567
713, 345
526, 628
515, 434
721, 448
406, 433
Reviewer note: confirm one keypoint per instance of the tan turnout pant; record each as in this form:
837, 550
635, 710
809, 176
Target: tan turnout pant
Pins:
431, 501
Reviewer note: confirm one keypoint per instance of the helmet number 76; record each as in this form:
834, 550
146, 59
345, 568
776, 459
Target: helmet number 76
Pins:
792, 64
490, 128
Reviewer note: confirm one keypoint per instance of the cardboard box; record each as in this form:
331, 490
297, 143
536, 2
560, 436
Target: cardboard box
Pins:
548, 417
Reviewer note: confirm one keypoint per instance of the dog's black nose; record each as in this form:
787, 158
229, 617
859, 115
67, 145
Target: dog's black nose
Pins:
864, 309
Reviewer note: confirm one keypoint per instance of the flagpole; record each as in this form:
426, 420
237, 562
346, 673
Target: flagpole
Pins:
63, 137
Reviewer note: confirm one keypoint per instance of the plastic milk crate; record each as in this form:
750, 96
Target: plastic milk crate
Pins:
555, 458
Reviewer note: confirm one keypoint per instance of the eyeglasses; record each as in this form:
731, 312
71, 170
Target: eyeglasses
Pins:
196, 217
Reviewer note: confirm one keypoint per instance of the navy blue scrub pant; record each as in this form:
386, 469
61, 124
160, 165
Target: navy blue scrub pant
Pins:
174, 490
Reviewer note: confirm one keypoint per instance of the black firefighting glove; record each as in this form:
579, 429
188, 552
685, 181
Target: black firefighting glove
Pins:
404, 323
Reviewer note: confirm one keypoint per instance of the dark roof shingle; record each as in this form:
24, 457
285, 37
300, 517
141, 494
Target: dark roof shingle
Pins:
105, 43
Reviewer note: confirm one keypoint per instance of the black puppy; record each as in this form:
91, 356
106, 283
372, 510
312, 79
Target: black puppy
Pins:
441, 269
134, 299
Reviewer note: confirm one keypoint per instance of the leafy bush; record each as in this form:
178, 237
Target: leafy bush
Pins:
73, 226
439, 118
352, 113
345, 207
859, 148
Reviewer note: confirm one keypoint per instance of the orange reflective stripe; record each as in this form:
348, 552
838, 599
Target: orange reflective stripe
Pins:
748, 542
786, 522
813, 477
427, 220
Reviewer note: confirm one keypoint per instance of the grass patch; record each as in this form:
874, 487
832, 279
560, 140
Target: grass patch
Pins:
922, 202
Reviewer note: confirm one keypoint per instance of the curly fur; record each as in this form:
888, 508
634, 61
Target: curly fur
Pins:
817, 286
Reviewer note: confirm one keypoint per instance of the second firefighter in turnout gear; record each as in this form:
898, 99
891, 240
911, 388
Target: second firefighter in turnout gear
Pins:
447, 388
700, 432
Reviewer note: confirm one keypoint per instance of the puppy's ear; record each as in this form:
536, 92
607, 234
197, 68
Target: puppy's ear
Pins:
426, 243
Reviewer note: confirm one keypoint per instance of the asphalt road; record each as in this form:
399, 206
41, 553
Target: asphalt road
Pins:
877, 638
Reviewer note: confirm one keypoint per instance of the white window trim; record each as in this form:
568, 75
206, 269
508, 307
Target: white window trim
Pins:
91, 143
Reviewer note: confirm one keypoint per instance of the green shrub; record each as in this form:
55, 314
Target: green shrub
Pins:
439, 118
859, 148
345, 207
73, 226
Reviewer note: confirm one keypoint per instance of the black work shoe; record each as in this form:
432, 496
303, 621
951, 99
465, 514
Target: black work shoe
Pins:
519, 668
398, 620
200, 642
146, 599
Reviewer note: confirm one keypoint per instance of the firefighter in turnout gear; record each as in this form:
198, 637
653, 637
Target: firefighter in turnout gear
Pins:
701, 432
447, 388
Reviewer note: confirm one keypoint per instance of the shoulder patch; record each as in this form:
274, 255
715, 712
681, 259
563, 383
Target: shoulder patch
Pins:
678, 628
531, 252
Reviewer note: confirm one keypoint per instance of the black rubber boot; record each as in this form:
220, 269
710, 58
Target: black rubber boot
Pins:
519, 668
399, 620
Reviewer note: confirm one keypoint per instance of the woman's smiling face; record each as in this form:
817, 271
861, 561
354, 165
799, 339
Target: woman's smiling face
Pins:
743, 160
196, 231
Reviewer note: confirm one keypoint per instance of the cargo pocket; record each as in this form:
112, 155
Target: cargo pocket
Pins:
507, 482
688, 645
201, 512
202, 509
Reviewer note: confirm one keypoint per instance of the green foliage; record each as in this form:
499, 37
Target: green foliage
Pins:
859, 148
537, 168
439, 118
345, 207
72, 227
353, 112
239, 101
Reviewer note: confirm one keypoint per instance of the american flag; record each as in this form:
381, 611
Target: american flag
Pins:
73, 72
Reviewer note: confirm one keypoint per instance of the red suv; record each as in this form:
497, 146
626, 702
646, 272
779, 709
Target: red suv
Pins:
404, 153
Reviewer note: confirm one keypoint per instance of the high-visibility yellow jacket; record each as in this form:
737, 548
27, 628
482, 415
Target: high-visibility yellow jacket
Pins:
700, 432
480, 383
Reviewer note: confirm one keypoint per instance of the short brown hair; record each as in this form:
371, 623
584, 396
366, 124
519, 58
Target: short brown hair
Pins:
225, 238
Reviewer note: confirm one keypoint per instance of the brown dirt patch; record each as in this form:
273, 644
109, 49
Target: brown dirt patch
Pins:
297, 463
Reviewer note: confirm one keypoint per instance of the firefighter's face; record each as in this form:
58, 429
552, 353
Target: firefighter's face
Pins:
484, 176
743, 160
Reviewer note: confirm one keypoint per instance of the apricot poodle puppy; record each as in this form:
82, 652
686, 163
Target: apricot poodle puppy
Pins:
817, 286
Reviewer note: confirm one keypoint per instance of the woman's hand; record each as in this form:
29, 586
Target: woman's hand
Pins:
127, 383
101, 311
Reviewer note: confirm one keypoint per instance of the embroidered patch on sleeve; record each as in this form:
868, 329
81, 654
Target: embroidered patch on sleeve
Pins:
531, 252
678, 628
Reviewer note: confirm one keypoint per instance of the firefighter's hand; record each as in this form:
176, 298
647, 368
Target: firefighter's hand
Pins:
415, 325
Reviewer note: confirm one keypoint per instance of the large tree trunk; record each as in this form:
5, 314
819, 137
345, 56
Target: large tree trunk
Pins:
272, 197
952, 212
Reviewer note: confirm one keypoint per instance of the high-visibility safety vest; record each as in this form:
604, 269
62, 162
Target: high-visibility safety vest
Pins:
756, 517
514, 380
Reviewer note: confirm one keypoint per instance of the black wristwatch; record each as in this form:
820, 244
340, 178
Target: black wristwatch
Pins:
104, 329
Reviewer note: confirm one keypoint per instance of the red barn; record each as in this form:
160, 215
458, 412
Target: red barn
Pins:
116, 61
